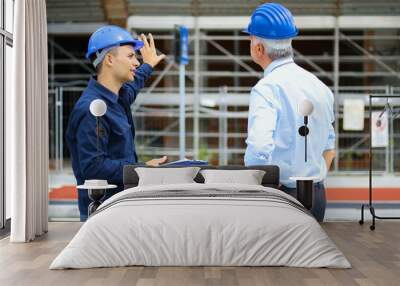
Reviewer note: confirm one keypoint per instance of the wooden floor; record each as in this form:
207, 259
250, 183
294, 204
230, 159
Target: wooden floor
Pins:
375, 257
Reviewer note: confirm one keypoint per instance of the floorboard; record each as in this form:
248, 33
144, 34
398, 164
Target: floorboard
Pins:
374, 255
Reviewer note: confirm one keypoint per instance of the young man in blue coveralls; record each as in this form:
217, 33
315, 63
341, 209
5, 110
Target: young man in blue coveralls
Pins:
119, 78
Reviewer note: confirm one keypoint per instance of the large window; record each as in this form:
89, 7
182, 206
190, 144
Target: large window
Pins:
6, 43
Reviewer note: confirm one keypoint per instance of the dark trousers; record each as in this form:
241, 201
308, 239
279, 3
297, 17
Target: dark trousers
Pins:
319, 199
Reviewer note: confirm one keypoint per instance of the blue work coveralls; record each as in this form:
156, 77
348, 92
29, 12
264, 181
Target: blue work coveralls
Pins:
103, 157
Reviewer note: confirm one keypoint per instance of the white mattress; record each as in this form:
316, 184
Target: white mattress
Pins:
189, 231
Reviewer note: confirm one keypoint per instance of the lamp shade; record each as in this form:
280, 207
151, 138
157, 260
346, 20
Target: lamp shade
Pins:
305, 107
98, 107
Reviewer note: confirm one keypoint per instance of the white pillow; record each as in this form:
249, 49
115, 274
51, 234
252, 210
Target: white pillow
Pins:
166, 176
248, 177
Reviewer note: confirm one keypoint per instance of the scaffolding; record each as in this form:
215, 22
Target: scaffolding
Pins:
353, 60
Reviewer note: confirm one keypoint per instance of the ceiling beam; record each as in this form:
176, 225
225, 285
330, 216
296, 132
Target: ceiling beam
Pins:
240, 22
116, 12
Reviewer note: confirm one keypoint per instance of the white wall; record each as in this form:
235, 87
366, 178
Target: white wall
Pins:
9, 24
8, 69
9, 13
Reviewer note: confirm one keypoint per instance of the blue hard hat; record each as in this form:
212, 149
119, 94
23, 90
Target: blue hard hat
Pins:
110, 36
272, 21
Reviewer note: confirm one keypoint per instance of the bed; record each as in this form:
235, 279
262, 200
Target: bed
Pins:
198, 224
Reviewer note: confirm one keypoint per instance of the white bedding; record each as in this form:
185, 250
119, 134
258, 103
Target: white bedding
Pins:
190, 230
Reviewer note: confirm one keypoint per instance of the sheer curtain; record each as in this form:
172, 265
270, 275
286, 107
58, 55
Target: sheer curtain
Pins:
27, 124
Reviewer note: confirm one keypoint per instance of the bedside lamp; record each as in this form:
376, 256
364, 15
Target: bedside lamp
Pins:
96, 188
305, 108
305, 185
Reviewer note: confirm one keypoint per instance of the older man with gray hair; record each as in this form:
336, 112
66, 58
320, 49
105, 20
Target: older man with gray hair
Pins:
274, 119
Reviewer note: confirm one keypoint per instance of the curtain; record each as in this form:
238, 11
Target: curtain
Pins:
27, 123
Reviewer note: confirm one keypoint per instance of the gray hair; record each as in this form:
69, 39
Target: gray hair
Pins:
276, 49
